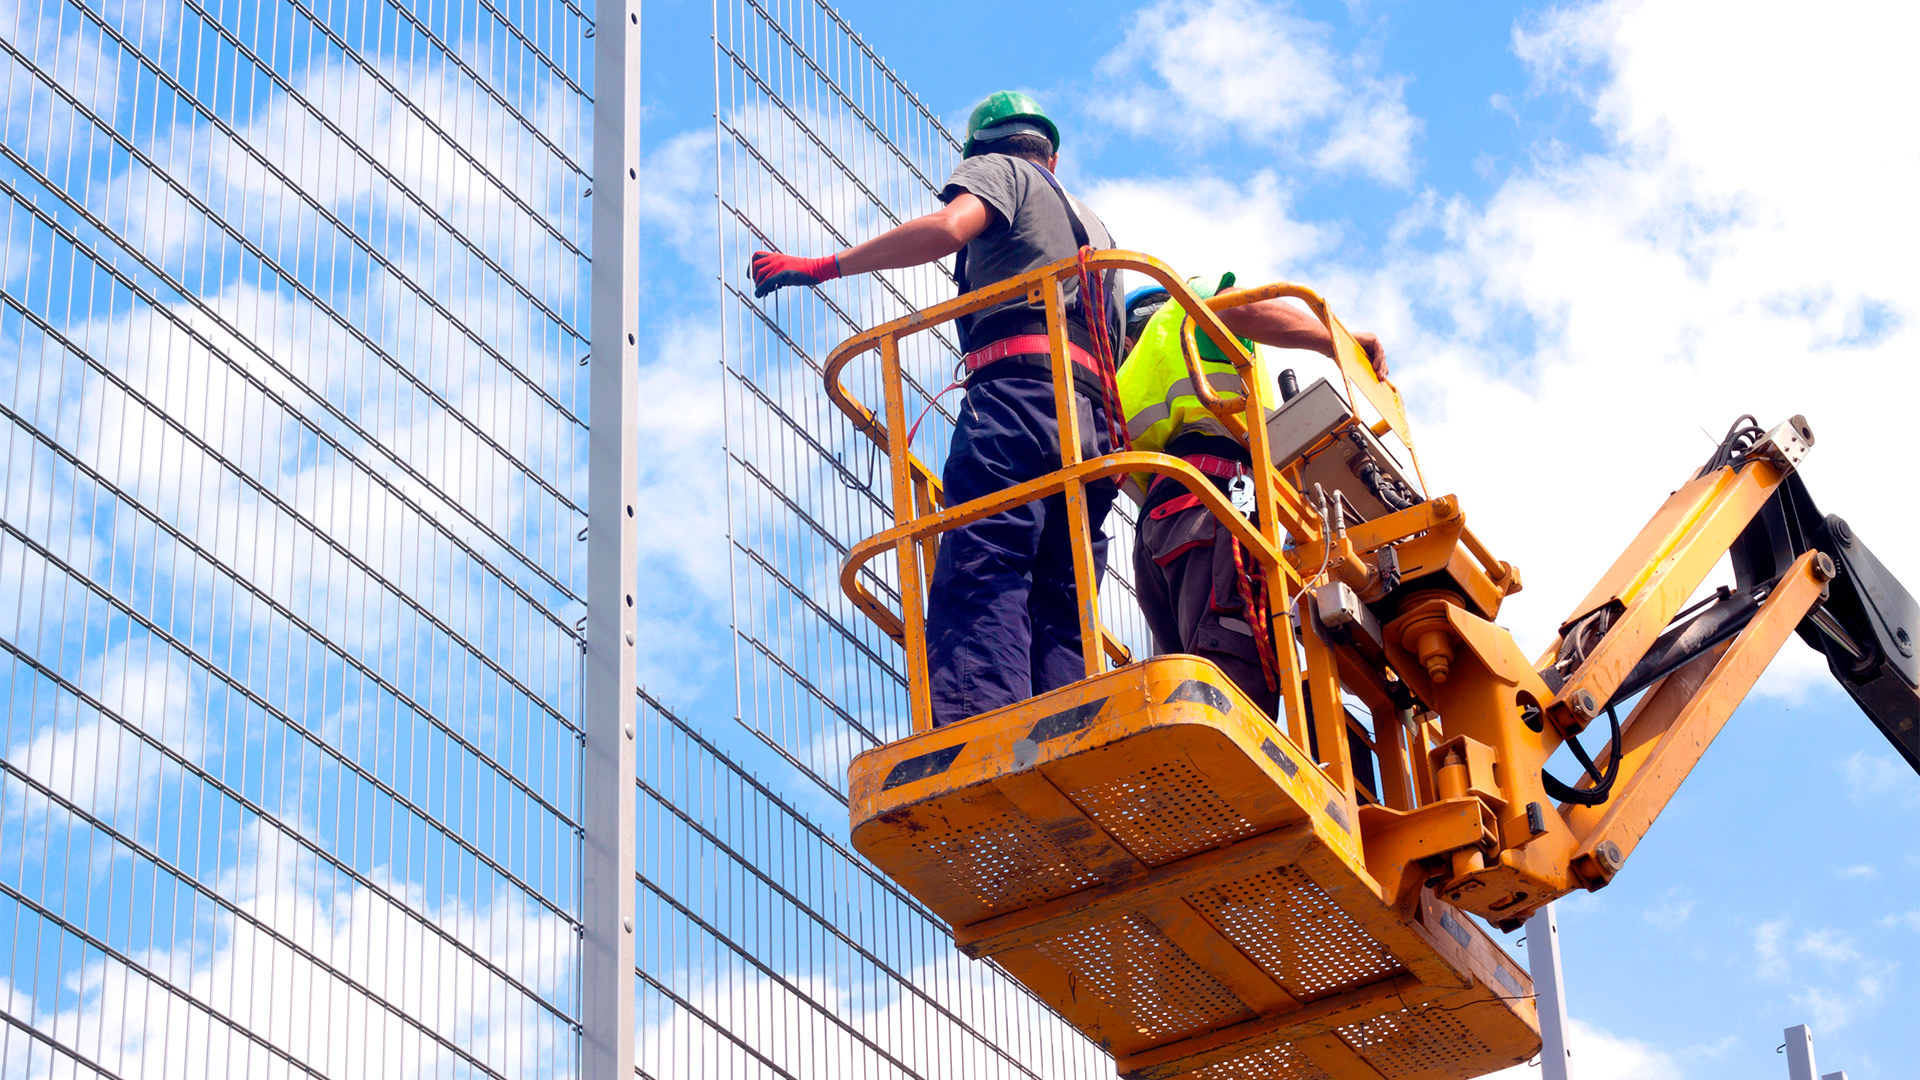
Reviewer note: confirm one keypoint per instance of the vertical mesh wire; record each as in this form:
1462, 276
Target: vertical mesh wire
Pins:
292, 310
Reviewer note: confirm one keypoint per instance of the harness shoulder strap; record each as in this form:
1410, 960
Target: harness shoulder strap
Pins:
1081, 238
1080, 234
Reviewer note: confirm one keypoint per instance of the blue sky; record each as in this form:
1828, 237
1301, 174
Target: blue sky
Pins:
1588, 234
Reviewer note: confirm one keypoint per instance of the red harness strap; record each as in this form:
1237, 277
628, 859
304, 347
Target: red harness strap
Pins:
1026, 345
1223, 468
1091, 285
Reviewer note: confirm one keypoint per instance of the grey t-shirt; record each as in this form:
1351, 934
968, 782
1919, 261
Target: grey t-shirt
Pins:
1031, 231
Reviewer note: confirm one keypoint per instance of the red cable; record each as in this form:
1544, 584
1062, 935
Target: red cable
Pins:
1258, 620
1117, 432
951, 387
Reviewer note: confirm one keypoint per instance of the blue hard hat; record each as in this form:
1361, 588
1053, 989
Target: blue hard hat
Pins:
1143, 292
1141, 305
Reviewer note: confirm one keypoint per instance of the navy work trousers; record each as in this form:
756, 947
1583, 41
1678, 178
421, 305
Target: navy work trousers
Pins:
1188, 585
1002, 622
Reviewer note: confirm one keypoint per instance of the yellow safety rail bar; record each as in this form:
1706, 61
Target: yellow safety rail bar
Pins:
918, 519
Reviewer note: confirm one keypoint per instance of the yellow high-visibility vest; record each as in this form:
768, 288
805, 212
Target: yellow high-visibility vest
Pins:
1156, 392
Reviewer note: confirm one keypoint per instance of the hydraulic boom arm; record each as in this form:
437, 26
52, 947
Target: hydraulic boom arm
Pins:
1501, 718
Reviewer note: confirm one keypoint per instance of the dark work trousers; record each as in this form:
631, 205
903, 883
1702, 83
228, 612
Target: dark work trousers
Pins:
1002, 621
1187, 584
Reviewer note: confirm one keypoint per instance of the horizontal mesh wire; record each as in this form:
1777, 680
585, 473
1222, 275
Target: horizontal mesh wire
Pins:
767, 948
293, 303
820, 145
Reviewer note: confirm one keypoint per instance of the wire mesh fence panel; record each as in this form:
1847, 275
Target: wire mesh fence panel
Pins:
769, 949
292, 427
820, 145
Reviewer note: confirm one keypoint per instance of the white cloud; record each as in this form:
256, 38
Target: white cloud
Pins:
1823, 971
1830, 946
1202, 224
1909, 919
682, 483
1601, 1055
1373, 136
1875, 777
83, 64
1673, 910
1771, 964
134, 1026
93, 762
676, 196
1198, 71
1573, 336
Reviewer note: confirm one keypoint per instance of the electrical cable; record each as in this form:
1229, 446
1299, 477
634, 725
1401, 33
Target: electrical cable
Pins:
1326, 537
1745, 432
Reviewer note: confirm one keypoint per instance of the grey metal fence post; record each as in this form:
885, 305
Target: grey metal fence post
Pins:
1543, 958
609, 766
1799, 1052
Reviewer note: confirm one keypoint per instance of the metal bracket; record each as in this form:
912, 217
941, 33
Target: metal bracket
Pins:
1786, 444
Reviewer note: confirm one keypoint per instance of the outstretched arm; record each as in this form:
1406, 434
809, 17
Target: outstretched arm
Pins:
922, 240
1283, 325
910, 243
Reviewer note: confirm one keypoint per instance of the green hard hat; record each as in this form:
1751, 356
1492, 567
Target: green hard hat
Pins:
1007, 106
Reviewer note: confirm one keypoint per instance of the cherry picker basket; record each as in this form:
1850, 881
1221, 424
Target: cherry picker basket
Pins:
1151, 856
1146, 850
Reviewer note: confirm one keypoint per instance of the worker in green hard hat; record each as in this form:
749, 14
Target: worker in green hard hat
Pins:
1189, 577
1002, 621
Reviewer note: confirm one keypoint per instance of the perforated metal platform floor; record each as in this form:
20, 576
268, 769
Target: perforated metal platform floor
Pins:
1153, 858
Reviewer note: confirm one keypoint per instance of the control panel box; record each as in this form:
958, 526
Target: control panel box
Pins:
1317, 432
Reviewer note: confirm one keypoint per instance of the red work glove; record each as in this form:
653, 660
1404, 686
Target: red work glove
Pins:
772, 270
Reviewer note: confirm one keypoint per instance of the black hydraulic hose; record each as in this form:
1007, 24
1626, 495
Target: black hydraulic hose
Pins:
1602, 788
1722, 618
1739, 438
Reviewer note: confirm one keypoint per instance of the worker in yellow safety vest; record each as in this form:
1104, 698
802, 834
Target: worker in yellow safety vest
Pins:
1190, 576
